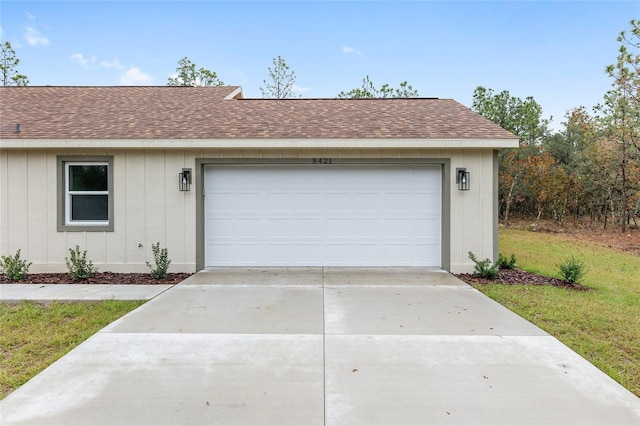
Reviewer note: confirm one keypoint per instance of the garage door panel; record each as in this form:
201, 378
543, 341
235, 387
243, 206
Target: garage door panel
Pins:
322, 216
248, 226
362, 226
399, 227
340, 201
268, 228
368, 201
222, 227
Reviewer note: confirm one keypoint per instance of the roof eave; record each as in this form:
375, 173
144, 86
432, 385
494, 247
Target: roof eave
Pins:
389, 143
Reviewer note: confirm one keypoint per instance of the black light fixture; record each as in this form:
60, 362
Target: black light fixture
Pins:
185, 180
463, 178
17, 128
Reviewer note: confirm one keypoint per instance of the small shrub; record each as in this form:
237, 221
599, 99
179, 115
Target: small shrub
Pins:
504, 263
162, 261
13, 267
484, 268
79, 267
572, 269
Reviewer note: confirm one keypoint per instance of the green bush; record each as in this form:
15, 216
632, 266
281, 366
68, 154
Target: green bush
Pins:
484, 268
162, 261
79, 267
572, 269
13, 267
504, 263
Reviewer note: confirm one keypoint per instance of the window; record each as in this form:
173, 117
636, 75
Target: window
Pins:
85, 196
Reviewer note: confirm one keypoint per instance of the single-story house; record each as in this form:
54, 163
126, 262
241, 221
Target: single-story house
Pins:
220, 180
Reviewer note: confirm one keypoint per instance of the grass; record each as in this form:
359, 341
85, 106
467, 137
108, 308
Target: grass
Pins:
602, 325
36, 335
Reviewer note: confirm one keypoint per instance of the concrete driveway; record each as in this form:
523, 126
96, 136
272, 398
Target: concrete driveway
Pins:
321, 346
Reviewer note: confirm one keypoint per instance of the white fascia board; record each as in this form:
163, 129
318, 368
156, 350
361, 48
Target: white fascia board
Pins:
236, 94
255, 143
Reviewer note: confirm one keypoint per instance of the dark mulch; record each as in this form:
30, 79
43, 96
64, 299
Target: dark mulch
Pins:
506, 276
99, 278
516, 276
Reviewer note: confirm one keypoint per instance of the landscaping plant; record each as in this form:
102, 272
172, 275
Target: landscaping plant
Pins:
504, 263
79, 267
13, 267
572, 269
162, 261
484, 268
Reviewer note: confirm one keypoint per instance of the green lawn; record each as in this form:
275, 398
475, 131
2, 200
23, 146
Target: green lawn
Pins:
35, 335
602, 325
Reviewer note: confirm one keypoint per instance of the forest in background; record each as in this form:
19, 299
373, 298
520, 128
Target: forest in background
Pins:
589, 171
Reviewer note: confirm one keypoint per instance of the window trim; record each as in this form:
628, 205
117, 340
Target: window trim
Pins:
63, 195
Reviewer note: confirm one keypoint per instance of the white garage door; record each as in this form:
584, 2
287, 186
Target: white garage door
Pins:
322, 216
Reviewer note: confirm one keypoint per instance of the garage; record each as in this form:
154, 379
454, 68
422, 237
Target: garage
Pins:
238, 182
323, 215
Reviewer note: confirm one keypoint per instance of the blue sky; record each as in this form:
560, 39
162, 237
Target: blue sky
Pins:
555, 51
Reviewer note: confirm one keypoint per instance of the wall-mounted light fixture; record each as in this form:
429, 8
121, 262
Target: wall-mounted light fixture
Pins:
463, 178
17, 130
185, 180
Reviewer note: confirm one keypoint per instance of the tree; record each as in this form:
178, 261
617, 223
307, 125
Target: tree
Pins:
621, 110
368, 90
8, 64
524, 119
521, 117
404, 91
626, 71
187, 75
281, 81
567, 146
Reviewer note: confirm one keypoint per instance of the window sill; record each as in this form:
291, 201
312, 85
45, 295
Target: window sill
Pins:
86, 228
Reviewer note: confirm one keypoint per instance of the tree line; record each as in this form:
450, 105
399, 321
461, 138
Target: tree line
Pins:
588, 172
281, 82
279, 85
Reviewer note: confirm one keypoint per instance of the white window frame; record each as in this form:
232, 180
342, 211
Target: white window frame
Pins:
65, 223
68, 194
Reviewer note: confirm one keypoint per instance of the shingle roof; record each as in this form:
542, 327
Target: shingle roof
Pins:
203, 113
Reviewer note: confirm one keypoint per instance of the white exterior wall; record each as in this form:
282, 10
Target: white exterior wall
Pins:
472, 220
148, 206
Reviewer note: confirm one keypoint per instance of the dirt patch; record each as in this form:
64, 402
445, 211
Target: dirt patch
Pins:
99, 278
628, 242
518, 277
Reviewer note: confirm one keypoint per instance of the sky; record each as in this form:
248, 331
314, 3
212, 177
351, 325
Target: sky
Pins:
554, 51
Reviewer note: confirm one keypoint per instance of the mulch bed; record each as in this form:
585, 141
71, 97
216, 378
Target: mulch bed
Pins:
99, 278
518, 277
506, 276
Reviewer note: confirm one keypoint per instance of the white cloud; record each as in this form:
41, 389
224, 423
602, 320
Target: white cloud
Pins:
131, 77
351, 51
135, 77
297, 88
34, 38
115, 64
85, 62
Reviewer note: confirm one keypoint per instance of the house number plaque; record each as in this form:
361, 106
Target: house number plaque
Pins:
321, 161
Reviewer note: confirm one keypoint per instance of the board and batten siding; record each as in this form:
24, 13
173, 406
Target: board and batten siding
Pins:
149, 208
